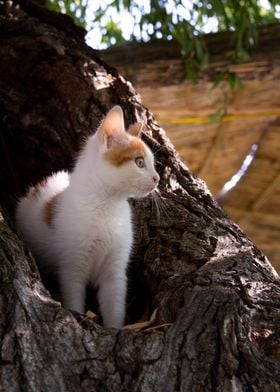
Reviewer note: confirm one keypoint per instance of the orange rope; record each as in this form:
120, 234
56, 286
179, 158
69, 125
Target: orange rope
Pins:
227, 117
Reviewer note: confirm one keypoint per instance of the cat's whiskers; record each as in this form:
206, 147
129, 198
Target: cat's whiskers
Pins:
156, 148
159, 202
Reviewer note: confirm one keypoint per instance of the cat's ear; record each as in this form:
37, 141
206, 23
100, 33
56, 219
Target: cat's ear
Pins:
135, 129
112, 126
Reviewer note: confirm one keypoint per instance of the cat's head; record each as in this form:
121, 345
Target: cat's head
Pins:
127, 162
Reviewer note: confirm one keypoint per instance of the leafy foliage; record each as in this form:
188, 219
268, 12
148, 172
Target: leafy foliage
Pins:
74, 8
184, 20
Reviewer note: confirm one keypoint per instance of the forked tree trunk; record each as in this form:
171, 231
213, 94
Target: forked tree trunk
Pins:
217, 297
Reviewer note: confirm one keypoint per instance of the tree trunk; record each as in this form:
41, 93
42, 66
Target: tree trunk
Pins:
216, 325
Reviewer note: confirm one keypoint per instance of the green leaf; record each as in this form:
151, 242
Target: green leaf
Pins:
204, 62
190, 73
217, 116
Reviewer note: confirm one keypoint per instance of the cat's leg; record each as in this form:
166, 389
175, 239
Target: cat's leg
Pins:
112, 296
72, 288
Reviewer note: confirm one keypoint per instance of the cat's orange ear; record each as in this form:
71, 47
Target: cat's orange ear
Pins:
135, 129
112, 126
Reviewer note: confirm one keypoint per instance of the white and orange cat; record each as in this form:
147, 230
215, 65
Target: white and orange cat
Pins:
79, 224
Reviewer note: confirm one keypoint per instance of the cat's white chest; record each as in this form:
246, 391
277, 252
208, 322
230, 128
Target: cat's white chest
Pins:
110, 237
108, 221
102, 234
111, 227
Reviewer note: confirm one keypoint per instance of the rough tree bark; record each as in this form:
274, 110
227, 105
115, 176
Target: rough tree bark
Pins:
217, 297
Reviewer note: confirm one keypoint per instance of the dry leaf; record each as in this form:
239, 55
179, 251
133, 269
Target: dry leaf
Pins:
142, 324
91, 315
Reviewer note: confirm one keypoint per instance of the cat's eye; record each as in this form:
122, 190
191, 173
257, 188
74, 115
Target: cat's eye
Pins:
140, 162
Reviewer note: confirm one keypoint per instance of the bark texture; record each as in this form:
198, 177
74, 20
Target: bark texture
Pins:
217, 297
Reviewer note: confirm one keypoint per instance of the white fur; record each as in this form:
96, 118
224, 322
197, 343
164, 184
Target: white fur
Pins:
91, 235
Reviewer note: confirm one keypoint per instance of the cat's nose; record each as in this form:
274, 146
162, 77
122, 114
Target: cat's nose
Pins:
156, 178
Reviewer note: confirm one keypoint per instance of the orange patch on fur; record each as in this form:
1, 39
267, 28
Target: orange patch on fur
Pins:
118, 155
135, 129
49, 210
35, 190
